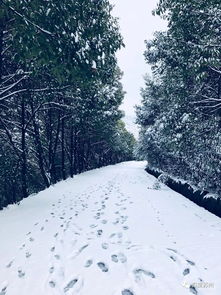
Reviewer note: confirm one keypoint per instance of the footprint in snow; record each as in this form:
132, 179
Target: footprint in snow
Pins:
127, 292
70, 285
139, 271
27, 254
79, 251
3, 291
22, 247
173, 250
103, 266
114, 258
122, 258
21, 273
105, 246
193, 290
99, 232
186, 271
9, 264
51, 269
173, 258
57, 257
52, 249
88, 263
52, 284
83, 247
190, 262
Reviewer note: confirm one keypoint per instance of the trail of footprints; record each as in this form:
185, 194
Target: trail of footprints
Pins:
68, 214
187, 270
114, 238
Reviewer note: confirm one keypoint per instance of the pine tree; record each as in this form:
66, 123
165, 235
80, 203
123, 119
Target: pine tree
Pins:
180, 112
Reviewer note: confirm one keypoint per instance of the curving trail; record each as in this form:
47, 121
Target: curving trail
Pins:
110, 231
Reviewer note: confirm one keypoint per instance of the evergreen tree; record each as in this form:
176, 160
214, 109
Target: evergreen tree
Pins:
60, 93
180, 112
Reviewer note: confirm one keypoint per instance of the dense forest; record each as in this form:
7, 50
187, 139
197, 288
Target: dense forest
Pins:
180, 114
60, 93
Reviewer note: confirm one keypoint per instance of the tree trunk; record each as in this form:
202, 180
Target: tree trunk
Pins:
62, 150
23, 151
80, 155
88, 153
39, 148
53, 157
52, 144
49, 135
72, 151
1, 46
75, 152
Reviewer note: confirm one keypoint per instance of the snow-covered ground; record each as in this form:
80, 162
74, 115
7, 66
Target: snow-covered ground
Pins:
110, 231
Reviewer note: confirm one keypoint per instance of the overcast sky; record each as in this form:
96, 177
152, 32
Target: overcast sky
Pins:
137, 24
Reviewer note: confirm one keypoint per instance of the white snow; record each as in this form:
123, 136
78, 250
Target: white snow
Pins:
94, 64
109, 232
211, 196
48, 11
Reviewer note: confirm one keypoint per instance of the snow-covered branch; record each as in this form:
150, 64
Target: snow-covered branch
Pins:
11, 87
28, 20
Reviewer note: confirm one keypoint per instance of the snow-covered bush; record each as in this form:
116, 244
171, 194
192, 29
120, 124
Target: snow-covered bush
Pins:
156, 185
163, 178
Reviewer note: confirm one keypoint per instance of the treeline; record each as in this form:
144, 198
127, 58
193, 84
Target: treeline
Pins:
180, 115
60, 93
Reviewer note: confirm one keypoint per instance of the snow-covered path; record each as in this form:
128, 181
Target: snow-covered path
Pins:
109, 232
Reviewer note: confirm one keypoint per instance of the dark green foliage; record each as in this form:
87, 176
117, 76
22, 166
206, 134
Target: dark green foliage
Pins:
180, 113
60, 93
